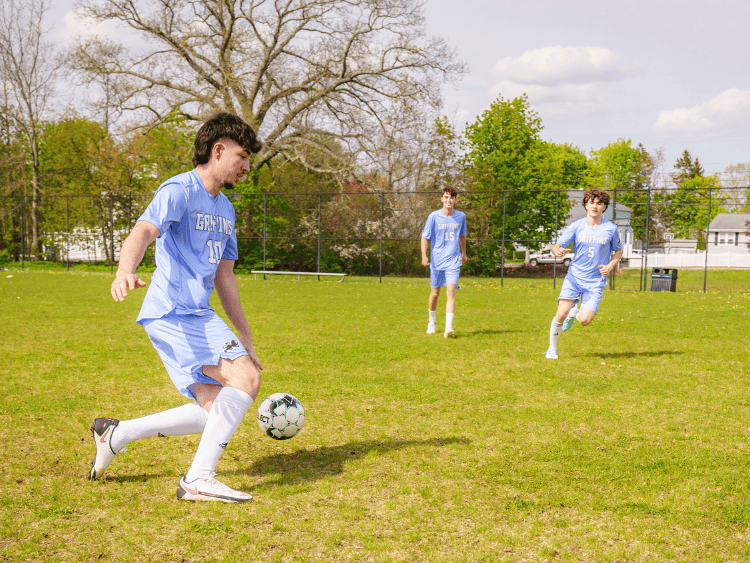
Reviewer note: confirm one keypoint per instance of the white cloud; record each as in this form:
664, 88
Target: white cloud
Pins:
562, 82
76, 26
564, 65
728, 110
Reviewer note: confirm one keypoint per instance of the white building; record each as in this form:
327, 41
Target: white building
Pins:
727, 233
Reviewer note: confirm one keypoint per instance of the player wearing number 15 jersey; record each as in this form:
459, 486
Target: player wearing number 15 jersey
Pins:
192, 222
444, 234
594, 241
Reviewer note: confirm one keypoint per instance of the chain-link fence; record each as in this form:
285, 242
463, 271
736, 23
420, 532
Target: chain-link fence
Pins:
690, 234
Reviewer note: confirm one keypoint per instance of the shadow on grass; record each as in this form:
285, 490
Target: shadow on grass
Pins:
486, 332
644, 354
310, 465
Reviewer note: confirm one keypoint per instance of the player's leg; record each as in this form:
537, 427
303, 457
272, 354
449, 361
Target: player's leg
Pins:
240, 382
451, 285
568, 295
111, 436
590, 300
436, 281
572, 314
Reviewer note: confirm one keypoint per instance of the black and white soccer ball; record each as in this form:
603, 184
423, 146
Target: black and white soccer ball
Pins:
281, 416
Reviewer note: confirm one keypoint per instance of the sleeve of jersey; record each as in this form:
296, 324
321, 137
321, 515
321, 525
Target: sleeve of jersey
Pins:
427, 231
616, 244
167, 207
230, 251
567, 237
463, 227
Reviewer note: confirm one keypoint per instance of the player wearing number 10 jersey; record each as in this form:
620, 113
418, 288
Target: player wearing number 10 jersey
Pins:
192, 222
594, 241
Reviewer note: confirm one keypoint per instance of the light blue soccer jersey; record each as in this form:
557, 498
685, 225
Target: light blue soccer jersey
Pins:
196, 231
592, 247
443, 233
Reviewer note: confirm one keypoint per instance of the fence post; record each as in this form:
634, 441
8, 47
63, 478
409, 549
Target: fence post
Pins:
708, 224
614, 218
382, 203
67, 232
319, 221
265, 203
23, 229
502, 258
111, 234
645, 236
557, 218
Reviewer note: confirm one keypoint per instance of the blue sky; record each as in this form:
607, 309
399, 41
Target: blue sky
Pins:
669, 74
664, 73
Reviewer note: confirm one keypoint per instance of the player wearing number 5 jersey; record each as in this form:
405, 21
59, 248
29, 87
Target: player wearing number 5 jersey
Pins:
444, 234
192, 222
594, 241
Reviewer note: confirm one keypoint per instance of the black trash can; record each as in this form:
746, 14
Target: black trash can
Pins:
664, 279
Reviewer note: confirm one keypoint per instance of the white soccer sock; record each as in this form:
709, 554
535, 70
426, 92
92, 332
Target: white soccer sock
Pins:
573, 312
433, 316
449, 322
187, 419
554, 333
226, 413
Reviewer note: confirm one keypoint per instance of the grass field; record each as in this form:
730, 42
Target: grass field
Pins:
633, 446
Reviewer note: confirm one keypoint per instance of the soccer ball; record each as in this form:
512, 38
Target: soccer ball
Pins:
281, 416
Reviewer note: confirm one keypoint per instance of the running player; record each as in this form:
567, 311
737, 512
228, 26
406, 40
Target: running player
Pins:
594, 240
445, 234
192, 223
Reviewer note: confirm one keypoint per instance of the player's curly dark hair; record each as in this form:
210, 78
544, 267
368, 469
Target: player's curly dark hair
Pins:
451, 190
596, 193
223, 125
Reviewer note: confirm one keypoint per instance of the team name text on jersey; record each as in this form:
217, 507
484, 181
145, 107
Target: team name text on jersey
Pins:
206, 222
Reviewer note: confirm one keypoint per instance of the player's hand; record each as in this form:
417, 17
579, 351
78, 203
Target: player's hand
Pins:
425, 261
560, 252
123, 283
463, 259
604, 270
253, 357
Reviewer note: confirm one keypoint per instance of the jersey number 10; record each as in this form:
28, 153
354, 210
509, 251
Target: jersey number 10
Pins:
214, 247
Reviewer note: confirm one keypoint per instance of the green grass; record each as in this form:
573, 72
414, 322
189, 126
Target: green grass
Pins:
632, 447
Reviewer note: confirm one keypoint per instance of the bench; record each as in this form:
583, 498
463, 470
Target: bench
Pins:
298, 274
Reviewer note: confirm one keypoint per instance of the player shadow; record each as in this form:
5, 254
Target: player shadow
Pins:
644, 354
485, 332
304, 466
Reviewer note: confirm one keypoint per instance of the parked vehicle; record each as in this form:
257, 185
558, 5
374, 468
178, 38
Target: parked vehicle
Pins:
548, 258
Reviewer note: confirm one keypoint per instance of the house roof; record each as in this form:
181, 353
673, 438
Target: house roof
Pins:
729, 222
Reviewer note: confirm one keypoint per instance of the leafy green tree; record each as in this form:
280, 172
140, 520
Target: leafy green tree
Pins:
686, 167
504, 152
686, 208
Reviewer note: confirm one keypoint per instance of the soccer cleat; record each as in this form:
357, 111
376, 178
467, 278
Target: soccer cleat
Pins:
449, 334
551, 354
568, 322
209, 488
431, 328
101, 431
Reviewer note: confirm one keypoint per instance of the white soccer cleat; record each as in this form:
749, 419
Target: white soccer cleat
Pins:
449, 334
568, 322
209, 488
551, 354
101, 430
431, 328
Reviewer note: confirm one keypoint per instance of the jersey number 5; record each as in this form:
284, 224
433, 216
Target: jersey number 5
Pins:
591, 252
214, 247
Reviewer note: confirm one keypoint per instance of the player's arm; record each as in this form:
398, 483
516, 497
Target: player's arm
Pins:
462, 242
131, 254
225, 283
605, 269
425, 246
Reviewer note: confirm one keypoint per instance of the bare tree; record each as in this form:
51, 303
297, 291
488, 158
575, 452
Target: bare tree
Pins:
29, 68
304, 73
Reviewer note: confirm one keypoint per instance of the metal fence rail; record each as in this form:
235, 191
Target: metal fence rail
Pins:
362, 232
